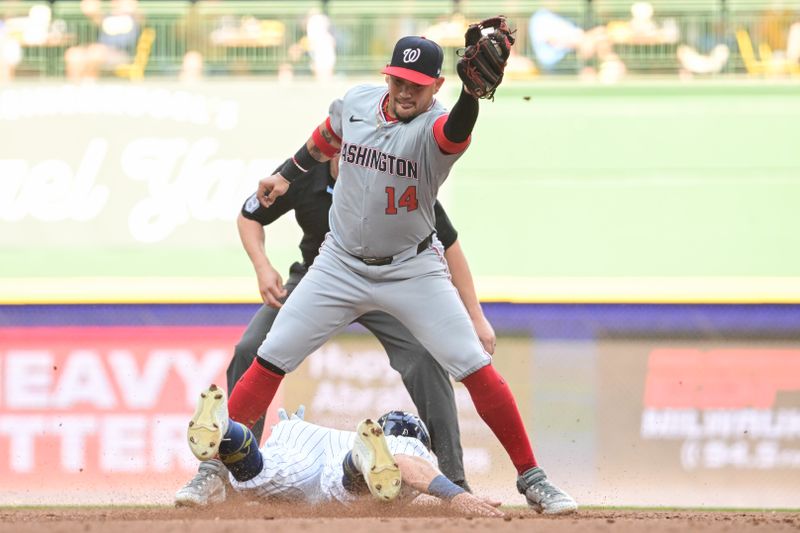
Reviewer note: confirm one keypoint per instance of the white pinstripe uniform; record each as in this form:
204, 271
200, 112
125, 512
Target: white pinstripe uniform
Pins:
303, 462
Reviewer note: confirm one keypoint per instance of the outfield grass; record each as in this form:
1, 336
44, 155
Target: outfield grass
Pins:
570, 192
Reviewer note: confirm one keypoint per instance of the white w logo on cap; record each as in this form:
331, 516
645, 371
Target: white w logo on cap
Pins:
410, 55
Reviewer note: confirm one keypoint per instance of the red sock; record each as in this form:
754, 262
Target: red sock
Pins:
496, 406
252, 394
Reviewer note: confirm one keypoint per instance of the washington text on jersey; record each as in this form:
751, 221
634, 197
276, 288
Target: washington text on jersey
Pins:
368, 157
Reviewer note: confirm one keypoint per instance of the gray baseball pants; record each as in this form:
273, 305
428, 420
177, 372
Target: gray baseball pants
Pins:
426, 381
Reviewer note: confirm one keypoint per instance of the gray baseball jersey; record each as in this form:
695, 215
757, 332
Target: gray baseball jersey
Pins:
389, 175
303, 461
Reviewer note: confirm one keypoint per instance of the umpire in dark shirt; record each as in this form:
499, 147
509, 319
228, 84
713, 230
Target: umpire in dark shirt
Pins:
426, 381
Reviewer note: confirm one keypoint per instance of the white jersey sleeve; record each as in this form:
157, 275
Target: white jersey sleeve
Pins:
335, 114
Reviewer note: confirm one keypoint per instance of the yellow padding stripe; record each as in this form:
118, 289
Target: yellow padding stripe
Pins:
730, 290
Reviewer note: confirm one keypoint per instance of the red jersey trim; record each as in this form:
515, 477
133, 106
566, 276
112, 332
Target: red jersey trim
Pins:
330, 129
446, 145
324, 146
382, 105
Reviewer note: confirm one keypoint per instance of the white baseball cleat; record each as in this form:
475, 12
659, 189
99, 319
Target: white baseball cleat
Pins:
205, 488
372, 457
208, 424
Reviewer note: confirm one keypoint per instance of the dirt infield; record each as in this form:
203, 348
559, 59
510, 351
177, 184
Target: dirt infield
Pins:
290, 519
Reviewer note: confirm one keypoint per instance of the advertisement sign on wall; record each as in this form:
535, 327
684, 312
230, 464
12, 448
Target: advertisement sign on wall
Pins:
622, 420
106, 408
711, 421
102, 408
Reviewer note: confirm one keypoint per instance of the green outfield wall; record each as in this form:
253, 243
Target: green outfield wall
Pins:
636, 192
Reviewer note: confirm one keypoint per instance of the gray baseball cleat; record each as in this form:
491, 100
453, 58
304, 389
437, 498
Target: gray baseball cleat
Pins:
373, 459
543, 496
208, 424
205, 488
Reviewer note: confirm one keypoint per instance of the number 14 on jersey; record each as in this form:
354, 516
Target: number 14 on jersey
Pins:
408, 199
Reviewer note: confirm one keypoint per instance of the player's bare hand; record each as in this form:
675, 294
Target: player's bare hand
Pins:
270, 285
270, 188
493, 503
485, 333
471, 505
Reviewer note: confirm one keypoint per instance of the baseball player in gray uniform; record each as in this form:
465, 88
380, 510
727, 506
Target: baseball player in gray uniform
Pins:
426, 381
397, 146
312, 464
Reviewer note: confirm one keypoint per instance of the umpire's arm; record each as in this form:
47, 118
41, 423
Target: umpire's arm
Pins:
462, 279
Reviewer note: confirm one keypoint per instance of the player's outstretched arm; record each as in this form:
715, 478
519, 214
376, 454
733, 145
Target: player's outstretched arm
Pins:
452, 131
322, 146
422, 476
481, 70
462, 279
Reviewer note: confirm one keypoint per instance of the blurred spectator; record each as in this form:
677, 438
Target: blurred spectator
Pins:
519, 66
10, 53
16, 32
119, 31
642, 29
793, 44
705, 49
693, 62
448, 31
320, 45
552, 37
192, 67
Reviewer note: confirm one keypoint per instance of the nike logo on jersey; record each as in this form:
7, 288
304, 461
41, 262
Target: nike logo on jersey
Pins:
354, 119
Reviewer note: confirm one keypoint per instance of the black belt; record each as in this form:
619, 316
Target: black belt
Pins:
381, 261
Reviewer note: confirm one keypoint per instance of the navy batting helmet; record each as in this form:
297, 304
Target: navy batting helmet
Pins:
403, 424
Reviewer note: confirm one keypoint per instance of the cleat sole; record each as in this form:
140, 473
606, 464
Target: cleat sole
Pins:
204, 432
383, 479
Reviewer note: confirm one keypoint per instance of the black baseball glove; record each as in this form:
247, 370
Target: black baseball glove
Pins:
488, 45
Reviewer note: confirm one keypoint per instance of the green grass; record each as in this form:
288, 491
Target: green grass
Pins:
562, 180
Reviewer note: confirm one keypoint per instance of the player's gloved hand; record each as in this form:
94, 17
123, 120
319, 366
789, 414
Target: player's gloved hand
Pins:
470, 505
485, 333
483, 61
270, 285
270, 188
298, 415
